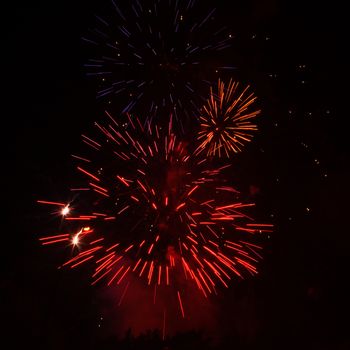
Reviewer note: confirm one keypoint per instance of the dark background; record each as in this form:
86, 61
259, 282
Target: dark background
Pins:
298, 162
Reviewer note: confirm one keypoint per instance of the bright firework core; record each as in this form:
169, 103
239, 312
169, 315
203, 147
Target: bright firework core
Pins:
65, 210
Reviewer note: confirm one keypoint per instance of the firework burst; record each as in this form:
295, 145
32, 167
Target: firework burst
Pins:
158, 54
226, 120
151, 208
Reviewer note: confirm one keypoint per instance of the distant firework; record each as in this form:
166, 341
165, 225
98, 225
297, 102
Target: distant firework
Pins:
158, 54
226, 120
150, 208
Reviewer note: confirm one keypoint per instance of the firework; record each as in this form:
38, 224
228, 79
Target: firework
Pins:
226, 120
150, 208
158, 54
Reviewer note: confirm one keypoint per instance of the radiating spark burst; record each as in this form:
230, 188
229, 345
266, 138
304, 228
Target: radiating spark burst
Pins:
226, 120
158, 53
151, 208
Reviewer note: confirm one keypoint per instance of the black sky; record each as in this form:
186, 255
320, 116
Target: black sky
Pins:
292, 54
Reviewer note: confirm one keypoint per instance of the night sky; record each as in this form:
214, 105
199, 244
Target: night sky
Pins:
296, 170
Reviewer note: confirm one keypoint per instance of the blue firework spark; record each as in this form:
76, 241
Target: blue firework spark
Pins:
160, 55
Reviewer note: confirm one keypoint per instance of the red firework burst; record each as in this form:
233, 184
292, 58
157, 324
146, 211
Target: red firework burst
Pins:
151, 208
